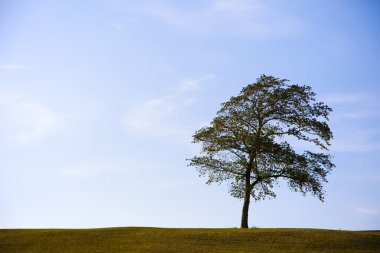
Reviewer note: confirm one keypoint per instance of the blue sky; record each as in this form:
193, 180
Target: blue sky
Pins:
99, 100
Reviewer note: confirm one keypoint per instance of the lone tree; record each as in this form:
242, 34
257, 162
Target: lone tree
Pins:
247, 143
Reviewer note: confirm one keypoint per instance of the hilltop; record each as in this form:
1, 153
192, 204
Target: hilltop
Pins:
138, 239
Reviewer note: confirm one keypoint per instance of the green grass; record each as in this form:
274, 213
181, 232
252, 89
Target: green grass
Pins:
187, 240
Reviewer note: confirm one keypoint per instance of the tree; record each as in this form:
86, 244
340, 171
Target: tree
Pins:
248, 143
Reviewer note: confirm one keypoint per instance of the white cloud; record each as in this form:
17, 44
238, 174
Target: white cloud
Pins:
354, 145
89, 169
193, 84
239, 7
353, 105
356, 142
253, 18
367, 211
24, 121
366, 174
351, 138
361, 113
149, 114
11, 66
157, 117
169, 14
352, 115
167, 185
335, 99
118, 27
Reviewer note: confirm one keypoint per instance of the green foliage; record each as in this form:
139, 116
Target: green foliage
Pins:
155, 240
247, 143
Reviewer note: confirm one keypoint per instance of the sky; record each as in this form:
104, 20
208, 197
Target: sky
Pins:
99, 100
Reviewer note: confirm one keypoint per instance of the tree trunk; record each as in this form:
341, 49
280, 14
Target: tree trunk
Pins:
244, 213
247, 198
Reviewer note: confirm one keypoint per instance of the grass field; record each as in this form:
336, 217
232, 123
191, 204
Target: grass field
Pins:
187, 240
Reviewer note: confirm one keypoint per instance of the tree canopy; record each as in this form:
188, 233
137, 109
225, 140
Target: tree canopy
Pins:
248, 143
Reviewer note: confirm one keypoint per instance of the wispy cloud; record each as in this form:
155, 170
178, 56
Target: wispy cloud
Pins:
335, 99
252, 18
359, 142
155, 117
118, 27
352, 115
353, 105
240, 8
367, 211
25, 121
84, 170
173, 185
222, 17
11, 66
366, 174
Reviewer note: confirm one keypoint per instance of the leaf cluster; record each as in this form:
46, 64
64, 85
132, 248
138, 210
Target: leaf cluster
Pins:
247, 143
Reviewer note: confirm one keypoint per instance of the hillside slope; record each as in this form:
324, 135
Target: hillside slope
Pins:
187, 240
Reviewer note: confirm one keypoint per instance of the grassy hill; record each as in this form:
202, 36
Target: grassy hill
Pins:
187, 240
